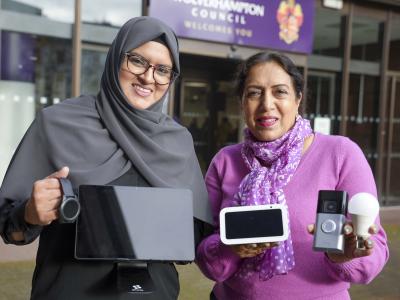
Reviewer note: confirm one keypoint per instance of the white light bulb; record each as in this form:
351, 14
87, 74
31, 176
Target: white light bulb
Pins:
363, 208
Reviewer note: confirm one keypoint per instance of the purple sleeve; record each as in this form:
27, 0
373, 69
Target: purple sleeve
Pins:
355, 176
216, 260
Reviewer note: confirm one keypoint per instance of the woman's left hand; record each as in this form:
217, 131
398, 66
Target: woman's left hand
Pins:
251, 250
350, 249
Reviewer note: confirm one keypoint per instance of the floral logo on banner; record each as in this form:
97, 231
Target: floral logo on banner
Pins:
290, 18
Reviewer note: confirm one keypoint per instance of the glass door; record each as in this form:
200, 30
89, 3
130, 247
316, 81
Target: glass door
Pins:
211, 113
322, 100
195, 116
392, 162
93, 60
363, 114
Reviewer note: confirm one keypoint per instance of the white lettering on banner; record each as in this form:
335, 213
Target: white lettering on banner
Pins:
218, 16
239, 7
218, 28
243, 32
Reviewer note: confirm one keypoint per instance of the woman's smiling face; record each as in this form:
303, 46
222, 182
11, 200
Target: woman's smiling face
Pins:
142, 91
269, 101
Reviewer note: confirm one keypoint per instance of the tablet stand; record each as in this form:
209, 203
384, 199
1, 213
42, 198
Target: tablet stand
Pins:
134, 278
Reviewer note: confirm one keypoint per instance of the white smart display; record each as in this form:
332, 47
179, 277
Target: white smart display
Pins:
253, 224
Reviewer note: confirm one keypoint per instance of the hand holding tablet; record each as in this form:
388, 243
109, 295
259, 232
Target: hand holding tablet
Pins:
251, 250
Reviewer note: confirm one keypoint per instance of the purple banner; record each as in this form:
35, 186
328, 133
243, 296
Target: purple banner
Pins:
278, 24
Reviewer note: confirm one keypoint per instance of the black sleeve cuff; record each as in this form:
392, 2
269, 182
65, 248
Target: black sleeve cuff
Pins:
17, 223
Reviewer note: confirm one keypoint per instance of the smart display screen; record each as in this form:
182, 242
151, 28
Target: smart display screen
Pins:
253, 224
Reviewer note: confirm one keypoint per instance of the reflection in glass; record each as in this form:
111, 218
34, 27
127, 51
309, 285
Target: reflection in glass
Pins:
135, 223
213, 119
327, 37
230, 118
35, 71
195, 116
323, 99
394, 49
59, 10
363, 114
102, 213
110, 12
392, 145
52, 70
366, 41
91, 71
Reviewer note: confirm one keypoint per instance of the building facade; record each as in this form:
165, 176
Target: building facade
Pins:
52, 50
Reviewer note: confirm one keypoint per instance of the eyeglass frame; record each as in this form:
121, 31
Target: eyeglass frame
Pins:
174, 74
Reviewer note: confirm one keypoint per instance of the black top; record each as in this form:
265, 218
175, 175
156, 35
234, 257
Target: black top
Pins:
58, 275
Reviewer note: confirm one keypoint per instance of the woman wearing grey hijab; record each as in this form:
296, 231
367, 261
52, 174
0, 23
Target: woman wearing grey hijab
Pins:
120, 137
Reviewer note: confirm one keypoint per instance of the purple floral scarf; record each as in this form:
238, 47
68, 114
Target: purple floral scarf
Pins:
272, 165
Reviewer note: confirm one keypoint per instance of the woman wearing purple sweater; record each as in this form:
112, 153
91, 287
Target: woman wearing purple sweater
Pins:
283, 161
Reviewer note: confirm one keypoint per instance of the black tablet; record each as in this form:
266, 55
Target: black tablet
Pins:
124, 223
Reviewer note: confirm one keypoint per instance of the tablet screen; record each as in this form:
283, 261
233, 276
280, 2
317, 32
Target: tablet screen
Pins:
253, 223
135, 223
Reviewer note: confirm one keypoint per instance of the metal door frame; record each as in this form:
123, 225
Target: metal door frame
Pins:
393, 78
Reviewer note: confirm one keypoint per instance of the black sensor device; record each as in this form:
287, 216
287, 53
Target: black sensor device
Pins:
70, 206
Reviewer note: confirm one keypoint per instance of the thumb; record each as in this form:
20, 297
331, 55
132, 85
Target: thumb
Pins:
62, 173
311, 228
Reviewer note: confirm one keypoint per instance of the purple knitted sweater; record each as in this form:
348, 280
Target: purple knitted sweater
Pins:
330, 163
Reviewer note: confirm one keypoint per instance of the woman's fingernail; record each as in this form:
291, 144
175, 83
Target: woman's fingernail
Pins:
347, 229
374, 229
369, 244
310, 227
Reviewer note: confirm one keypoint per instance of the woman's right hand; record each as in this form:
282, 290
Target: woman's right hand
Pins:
42, 207
251, 250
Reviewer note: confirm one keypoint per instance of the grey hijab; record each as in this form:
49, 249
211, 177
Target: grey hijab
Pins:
102, 137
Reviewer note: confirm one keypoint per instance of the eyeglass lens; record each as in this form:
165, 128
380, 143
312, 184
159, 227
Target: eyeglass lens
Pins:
139, 65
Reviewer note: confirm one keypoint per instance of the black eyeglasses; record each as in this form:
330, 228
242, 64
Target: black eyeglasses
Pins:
138, 65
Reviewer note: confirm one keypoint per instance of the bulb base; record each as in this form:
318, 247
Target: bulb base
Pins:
360, 243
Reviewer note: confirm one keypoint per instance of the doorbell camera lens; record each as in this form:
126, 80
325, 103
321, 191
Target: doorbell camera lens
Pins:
330, 206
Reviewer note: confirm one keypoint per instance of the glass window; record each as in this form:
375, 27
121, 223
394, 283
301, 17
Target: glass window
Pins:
366, 42
208, 106
394, 49
363, 114
325, 64
35, 71
393, 152
110, 12
323, 99
230, 116
212, 114
91, 70
195, 116
328, 39
59, 10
